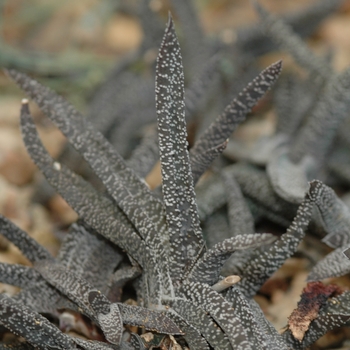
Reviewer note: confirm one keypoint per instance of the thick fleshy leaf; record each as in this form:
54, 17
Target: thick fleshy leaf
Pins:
256, 330
89, 299
335, 264
264, 262
207, 269
122, 183
98, 345
18, 275
199, 319
192, 335
255, 186
81, 252
224, 125
317, 135
96, 209
137, 342
272, 338
220, 310
289, 179
293, 99
31, 249
336, 217
200, 162
148, 319
50, 298
146, 155
16, 346
240, 218
33, 327
185, 236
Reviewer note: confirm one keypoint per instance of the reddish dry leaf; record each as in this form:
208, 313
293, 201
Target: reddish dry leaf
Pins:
313, 297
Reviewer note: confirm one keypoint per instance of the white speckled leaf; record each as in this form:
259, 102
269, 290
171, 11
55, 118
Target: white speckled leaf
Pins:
31, 249
220, 310
207, 269
18, 275
264, 262
33, 327
200, 162
224, 125
90, 300
199, 319
192, 335
96, 209
335, 215
335, 264
121, 182
185, 236
149, 319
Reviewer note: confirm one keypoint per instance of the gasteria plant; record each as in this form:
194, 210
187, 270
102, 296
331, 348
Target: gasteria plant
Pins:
129, 235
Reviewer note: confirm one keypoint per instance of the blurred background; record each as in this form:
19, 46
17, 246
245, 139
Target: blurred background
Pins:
72, 46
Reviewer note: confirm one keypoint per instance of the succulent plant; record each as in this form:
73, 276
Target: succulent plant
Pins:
190, 286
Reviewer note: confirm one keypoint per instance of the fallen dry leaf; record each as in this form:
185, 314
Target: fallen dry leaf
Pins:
313, 297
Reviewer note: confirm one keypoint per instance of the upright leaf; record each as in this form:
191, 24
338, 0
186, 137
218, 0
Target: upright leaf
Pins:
224, 125
265, 261
185, 237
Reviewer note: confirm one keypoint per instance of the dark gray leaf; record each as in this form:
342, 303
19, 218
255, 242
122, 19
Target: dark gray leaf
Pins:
199, 319
335, 264
240, 218
97, 210
336, 217
122, 183
207, 268
33, 327
18, 275
221, 129
148, 319
91, 301
264, 262
185, 236
28, 246
192, 335
220, 310
200, 162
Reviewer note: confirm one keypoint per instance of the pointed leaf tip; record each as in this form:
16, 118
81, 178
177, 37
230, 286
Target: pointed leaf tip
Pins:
346, 252
315, 189
276, 67
170, 20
